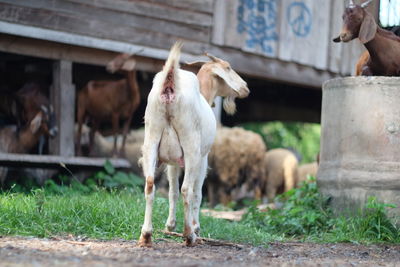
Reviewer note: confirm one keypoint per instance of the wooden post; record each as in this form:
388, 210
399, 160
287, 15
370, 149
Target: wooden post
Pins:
62, 95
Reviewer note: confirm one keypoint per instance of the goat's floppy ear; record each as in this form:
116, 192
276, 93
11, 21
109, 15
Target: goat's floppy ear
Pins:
198, 63
129, 64
368, 28
337, 39
36, 122
221, 73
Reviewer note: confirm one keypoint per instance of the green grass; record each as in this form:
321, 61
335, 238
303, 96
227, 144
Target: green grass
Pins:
109, 213
102, 215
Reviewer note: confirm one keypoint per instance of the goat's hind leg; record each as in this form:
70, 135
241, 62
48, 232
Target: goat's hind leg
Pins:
150, 150
192, 171
198, 185
173, 173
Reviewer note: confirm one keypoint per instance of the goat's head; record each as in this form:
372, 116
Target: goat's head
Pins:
121, 62
44, 122
217, 78
357, 22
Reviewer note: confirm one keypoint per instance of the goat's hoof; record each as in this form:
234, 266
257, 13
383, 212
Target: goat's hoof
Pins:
190, 240
145, 240
170, 227
197, 230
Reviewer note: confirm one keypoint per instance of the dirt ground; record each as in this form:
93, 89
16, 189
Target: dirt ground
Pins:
18, 251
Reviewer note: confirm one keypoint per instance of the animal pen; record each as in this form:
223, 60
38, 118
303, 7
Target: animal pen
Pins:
283, 49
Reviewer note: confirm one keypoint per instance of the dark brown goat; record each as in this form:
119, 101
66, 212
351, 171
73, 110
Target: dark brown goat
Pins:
31, 100
383, 46
105, 100
25, 104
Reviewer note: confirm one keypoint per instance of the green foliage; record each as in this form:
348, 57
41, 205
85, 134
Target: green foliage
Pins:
303, 137
305, 212
102, 208
111, 178
371, 224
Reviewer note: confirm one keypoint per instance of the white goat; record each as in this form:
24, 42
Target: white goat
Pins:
179, 130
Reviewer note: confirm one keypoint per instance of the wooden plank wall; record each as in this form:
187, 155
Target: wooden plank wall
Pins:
154, 23
298, 31
285, 31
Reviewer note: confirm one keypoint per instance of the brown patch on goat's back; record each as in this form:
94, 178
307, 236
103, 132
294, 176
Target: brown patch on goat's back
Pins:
149, 184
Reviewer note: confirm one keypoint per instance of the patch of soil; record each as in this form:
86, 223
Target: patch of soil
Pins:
20, 251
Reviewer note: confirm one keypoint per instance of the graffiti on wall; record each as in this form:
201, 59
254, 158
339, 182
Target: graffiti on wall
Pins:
259, 20
299, 18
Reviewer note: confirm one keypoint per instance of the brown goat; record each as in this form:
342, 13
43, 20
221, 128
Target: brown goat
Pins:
105, 100
383, 46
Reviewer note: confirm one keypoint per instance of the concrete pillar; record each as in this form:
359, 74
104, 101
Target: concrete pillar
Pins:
360, 141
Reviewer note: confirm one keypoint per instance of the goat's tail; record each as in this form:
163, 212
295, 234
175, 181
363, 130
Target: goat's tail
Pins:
172, 62
171, 69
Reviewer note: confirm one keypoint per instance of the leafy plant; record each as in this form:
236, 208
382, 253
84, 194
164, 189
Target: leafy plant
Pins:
301, 137
372, 223
304, 212
111, 178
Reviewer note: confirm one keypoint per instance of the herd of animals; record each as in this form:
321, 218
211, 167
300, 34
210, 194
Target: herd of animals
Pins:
180, 128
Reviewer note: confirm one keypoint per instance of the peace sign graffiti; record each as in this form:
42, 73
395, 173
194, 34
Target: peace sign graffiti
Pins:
299, 18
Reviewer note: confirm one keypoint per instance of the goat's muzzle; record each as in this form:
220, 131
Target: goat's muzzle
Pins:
243, 92
344, 37
53, 132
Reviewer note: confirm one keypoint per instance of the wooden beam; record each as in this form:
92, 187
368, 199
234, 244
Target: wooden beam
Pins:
62, 95
47, 161
60, 51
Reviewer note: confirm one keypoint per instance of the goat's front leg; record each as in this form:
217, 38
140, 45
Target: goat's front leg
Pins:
149, 161
92, 132
192, 171
173, 173
115, 125
124, 133
81, 117
198, 194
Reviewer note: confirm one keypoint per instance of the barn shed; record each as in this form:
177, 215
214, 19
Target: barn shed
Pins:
283, 48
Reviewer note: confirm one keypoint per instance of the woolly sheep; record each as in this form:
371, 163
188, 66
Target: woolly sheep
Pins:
237, 165
305, 170
281, 172
104, 146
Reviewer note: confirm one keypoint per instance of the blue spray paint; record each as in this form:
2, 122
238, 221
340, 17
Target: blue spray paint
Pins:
299, 18
258, 18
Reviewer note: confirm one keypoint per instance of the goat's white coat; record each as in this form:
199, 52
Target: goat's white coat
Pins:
185, 128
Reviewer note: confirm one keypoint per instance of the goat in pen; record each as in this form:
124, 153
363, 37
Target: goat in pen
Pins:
179, 130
